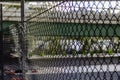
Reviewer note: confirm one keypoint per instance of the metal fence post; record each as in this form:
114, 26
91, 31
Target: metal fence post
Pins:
1, 45
23, 40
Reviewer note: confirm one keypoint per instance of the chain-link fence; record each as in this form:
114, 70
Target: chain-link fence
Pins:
73, 40
12, 54
74, 27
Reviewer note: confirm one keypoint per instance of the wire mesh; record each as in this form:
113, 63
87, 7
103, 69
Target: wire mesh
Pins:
74, 40
12, 63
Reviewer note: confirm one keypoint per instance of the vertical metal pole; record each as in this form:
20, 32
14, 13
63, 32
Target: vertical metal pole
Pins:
1, 45
22, 12
23, 40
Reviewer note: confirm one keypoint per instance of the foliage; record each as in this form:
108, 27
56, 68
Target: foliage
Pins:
67, 45
110, 51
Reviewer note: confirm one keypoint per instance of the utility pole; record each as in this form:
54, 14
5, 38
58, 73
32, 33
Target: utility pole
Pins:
1, 45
